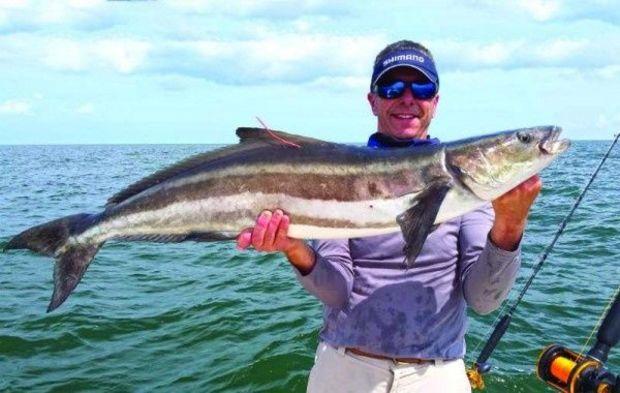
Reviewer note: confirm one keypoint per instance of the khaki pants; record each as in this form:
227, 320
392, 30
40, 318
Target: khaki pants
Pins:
335, 371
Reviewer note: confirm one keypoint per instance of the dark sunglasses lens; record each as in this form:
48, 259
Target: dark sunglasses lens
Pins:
395, 89
391, 90
423, 91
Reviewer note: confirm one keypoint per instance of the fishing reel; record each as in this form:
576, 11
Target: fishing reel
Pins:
569, 372
565, 370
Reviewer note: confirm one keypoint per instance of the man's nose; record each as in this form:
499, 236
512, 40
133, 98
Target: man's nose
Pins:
407, 97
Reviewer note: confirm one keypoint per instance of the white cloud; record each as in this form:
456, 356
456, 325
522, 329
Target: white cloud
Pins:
15, 106
541, 10
273, 52
607, 122
609, 72
560, 49
85, 4
276, 58
493, 53
292, 57
302, 25
271, 58
124, 56
65, 54
86, 108
40, 15
269, 9
561, 52
601, 10
556, 10
14, 4
451, 54
121, 55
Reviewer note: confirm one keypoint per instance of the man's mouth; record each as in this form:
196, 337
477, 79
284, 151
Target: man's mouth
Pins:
404, 116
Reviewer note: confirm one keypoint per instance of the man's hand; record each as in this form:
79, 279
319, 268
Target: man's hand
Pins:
271, 234
511, 210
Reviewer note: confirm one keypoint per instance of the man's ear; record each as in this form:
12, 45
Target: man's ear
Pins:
372, 100
435, 103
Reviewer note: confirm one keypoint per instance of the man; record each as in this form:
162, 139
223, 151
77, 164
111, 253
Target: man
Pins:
386, 327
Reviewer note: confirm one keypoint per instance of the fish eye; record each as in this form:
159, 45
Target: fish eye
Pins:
523, 137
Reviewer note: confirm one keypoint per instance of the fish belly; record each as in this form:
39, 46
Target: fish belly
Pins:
457, 202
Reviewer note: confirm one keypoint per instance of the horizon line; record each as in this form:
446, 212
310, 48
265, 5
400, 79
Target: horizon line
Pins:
192, 143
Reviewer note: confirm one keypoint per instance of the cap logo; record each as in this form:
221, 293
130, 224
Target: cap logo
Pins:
392, 59
410, 57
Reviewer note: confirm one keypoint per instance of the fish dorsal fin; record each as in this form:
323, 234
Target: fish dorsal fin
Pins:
249, 139
263, 135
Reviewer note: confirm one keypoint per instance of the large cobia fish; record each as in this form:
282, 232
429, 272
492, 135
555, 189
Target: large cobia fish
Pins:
329, 190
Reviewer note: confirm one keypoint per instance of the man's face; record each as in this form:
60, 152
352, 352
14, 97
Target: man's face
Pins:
405, 117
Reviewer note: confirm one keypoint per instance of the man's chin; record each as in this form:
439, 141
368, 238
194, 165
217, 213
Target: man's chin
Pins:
409, 133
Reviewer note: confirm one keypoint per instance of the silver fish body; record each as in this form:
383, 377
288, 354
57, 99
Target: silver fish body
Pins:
329, 191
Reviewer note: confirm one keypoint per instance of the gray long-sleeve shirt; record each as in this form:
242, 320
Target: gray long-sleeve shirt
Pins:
374, 303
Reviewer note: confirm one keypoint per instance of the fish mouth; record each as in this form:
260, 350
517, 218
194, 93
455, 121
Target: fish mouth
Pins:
552, 145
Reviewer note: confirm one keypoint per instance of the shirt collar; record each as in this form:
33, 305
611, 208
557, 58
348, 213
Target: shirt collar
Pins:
379, 141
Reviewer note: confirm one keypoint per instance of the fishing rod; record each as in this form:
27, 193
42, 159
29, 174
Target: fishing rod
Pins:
481, 365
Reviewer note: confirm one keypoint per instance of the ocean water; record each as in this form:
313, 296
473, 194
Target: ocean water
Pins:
203, 317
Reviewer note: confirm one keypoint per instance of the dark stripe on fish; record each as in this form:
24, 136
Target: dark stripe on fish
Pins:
343, 188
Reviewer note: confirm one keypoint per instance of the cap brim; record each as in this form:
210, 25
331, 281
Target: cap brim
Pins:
424, 72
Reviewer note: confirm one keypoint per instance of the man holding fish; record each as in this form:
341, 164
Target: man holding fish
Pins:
389, 327
421, 229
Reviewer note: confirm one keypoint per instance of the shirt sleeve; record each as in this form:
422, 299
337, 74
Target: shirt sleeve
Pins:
487, 271
331, 278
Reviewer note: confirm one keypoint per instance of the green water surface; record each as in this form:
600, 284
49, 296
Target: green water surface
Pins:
204, 317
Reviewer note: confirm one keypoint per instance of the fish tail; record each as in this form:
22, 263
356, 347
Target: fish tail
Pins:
72, 260
71, 264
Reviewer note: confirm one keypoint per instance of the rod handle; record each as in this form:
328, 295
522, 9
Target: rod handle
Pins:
492, 342
608, 334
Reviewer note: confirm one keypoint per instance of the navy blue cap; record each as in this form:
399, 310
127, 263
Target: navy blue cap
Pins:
412, 58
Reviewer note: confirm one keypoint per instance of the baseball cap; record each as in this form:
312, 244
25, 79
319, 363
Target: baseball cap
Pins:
412, 58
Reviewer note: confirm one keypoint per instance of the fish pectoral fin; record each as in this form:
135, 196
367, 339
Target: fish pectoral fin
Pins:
418, 221
70, 266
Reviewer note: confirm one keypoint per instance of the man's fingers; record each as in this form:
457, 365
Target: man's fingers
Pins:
258, 234
282, 234
270, 233
534, 183
244, 239
529, 186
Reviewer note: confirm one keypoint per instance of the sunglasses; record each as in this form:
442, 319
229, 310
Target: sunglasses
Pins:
396, 88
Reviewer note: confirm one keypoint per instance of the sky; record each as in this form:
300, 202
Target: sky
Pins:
192, 71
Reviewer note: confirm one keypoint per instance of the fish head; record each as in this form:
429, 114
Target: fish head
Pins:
491, 165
